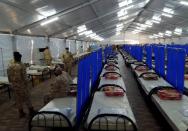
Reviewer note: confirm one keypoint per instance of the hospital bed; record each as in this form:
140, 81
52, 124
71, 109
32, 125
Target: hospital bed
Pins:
58, 113
110, 113
174, 111
105, 82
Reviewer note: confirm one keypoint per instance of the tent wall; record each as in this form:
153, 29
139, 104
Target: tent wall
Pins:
28, 46
57, 47
71, 44
180, 40
79, 47
6, 50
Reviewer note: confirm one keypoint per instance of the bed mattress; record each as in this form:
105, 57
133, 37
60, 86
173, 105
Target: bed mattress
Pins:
119, 82
102, 105
65, 106
148, 85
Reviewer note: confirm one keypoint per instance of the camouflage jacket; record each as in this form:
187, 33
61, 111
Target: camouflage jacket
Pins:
60, 87
17, 75
67, 57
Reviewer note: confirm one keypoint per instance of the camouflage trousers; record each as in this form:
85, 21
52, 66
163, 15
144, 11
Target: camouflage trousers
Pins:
48, 62
68, 68
22, 97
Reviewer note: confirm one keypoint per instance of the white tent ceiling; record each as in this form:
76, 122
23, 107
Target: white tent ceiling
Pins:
24, 17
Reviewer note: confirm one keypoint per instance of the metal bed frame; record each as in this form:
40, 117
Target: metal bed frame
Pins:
141, 75
154, 90
6, 88
55, 115
111, 72
104, 117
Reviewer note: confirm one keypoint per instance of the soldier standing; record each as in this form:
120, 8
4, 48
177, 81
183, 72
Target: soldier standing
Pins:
68, 60
47, 56
18, 79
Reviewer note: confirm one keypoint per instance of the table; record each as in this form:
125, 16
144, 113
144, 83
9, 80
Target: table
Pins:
37, 73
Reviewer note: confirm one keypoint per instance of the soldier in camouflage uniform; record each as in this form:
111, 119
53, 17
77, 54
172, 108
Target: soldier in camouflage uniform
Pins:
68, 60
60, 87
18, 79
47, 56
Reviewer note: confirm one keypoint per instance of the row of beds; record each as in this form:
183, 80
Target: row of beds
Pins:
108, 109
174, 111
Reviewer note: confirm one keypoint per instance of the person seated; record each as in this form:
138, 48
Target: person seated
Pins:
60, 87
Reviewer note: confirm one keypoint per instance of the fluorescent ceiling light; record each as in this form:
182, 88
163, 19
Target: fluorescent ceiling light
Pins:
157, 22
82, 33
125, 3
123, 17
141, 28
167, 15
49, 21
161, 34
122, 12
177, 33
136, 31
93, 35
118, 29
88, 32
149, 22
81, 28
178, 30
29, 31
46, 11
184, 3
119, 25
168, 32
168, 10
156, 18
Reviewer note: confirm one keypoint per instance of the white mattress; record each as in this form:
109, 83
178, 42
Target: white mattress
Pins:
172, 111
148, 85
34, 72
40, 67
4, 80
138, 73
104, 71
120, 82
110, 105
66, 106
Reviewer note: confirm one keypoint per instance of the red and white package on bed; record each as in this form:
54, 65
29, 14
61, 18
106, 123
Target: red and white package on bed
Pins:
110, 68
169, 94
186, 76
114, 91
112, 76
111, 64
72, 93
150, 76
118, 92
141, 68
